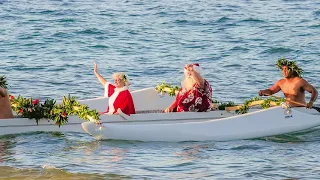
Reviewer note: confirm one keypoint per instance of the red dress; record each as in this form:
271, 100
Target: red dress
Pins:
196, 99
119, 98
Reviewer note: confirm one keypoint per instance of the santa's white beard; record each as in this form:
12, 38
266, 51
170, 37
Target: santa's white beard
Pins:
188, 83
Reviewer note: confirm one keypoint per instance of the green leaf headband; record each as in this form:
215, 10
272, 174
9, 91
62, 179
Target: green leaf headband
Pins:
124, 78
292, 66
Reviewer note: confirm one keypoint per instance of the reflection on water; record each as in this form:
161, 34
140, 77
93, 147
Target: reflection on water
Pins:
6, 153
192, 152
10, 173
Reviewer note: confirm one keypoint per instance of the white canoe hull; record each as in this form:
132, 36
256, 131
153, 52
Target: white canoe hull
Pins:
206, 126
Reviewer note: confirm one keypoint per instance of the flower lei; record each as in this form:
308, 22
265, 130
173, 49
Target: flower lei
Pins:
35, 109
242, 109
292, 66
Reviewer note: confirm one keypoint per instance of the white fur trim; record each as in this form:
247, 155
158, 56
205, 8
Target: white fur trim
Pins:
113, 97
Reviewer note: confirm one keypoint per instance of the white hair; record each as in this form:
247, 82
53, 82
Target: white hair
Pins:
124, 77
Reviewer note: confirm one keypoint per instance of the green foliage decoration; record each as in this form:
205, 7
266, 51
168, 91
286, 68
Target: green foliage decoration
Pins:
265, 104
35, 109
223, 105
245, 106
167, 88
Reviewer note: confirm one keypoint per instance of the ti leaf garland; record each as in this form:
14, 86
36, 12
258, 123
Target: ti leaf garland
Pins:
167, 88
35, 109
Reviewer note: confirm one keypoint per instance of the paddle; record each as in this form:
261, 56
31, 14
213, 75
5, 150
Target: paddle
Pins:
295, 102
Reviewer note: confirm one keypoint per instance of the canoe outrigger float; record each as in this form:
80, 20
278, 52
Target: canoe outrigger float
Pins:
150, 124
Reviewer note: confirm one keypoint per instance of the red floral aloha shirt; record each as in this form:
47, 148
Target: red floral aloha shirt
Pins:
195, 100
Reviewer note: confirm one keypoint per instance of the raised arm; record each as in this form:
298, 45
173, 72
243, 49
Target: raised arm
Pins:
314, 93
272, 90
100, 78
198, 79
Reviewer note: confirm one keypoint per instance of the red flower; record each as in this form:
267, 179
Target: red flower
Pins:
36, 101
21, 110
64, 114
11, 97
57, 123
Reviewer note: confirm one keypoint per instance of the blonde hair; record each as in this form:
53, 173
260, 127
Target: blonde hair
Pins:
122, 76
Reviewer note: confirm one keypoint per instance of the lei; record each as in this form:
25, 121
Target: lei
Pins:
292, 66
35, 109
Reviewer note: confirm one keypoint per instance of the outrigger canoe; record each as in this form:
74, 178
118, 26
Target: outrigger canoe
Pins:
150, 124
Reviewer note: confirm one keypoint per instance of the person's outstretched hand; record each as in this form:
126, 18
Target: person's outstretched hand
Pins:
95, 68
261, 93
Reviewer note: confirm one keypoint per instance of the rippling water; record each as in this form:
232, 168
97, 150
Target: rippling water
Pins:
47, 49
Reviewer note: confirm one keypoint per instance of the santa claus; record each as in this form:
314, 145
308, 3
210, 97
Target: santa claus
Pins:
195, 93
120, 99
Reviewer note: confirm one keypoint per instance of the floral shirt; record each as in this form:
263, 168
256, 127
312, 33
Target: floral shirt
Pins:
196, 99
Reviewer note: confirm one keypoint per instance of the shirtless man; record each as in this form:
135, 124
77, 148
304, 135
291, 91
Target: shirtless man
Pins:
5, 107
292, 85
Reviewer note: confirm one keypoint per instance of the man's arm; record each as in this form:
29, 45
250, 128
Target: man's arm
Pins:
312, 90
272, 90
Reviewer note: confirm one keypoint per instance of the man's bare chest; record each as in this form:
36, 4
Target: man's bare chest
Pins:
293, 88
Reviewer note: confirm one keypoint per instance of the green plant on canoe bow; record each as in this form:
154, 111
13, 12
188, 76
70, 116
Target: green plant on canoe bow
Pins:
34, 109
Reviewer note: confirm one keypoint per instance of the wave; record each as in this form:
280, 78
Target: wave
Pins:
223, 19
278, 50
91, 31
232, 65
253, 20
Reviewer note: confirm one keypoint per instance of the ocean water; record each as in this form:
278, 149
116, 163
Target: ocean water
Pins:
47, 50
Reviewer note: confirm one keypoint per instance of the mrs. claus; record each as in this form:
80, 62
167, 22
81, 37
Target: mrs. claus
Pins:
118, 93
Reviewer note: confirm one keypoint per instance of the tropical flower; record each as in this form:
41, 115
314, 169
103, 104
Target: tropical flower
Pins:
35, 102
11, 97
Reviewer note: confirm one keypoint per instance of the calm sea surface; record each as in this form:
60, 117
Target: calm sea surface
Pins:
47, 50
